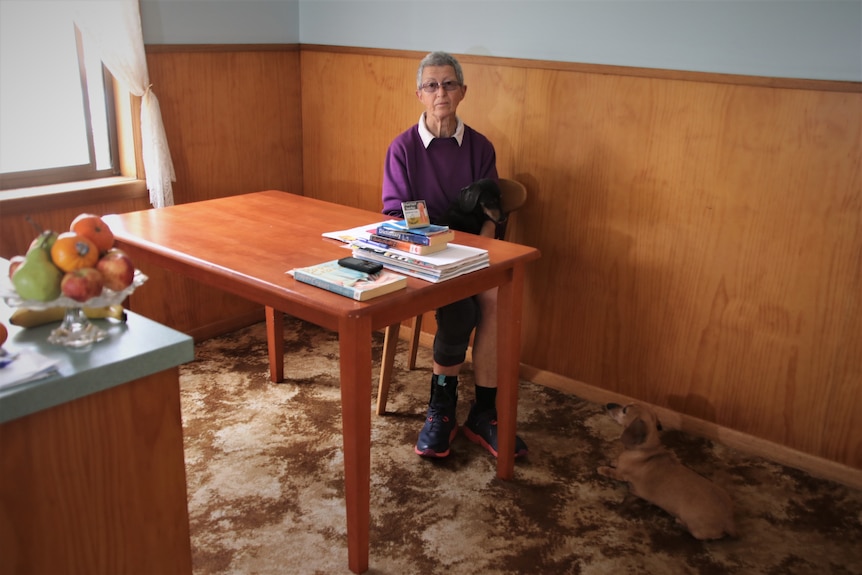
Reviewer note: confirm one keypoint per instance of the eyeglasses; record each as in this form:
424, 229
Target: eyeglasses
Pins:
432, 87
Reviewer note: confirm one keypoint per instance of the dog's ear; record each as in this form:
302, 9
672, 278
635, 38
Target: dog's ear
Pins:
485, 191
490, 195
469, 197
634, 434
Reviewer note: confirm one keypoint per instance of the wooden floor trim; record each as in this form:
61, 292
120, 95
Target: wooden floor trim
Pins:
745, 443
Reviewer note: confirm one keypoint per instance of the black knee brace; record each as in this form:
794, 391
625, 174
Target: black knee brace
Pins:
455, 324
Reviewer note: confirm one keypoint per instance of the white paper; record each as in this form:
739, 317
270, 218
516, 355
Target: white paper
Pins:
28, 366
359, 232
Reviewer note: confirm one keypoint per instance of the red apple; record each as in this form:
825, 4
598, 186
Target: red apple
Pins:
82, 284
117, 269
14, 262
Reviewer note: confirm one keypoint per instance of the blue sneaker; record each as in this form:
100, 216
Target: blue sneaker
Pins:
439, 431
481, 428
440, 424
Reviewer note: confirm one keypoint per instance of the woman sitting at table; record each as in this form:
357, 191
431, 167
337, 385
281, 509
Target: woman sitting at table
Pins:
433, 161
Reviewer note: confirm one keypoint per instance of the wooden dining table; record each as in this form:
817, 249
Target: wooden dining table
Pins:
245, 244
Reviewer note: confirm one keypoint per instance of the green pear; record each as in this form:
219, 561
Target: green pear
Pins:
44, 240
38, 278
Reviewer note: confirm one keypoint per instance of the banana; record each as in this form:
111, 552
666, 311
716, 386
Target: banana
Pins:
33, 317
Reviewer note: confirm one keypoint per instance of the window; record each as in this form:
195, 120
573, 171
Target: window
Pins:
56, 100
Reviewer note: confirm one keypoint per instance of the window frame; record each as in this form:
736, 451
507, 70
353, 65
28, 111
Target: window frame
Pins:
130, 184
82, 172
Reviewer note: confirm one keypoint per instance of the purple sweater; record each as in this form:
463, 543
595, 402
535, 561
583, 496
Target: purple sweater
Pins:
435, 174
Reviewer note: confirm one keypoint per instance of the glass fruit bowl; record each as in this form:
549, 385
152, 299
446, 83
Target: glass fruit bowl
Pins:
76, 330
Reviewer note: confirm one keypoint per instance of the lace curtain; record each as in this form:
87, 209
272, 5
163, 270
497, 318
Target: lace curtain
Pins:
114, 29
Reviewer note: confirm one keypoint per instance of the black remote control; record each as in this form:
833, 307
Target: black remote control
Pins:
360, 265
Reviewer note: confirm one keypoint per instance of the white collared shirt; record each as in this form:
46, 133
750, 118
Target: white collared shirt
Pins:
427, 136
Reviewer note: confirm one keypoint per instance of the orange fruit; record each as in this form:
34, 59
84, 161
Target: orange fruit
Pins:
72, 251
94, 229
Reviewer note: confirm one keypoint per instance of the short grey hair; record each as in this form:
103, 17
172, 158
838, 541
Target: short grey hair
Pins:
440, 59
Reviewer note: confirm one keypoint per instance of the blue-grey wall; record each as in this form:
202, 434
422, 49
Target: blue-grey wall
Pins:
220, 21
817, 39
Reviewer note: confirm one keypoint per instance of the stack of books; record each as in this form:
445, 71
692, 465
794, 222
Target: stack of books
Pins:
420, 250
425, 252
426, 240
452, 262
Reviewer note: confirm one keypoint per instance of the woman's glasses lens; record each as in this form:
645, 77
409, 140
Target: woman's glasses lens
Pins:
448, 85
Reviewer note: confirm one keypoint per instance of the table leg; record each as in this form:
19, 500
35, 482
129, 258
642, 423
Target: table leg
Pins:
509, 308
275, 343
354, 338
387, 362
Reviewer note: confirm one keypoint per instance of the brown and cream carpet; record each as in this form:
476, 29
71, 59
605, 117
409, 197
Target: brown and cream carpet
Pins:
264, 464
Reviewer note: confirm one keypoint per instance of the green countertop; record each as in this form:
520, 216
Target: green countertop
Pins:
133, 349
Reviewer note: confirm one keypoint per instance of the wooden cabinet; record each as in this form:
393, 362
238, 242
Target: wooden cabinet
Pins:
92, 473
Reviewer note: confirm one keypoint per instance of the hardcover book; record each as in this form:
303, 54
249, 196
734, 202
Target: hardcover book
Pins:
408, 247
364, 232
402, 225
350, 283
427, 236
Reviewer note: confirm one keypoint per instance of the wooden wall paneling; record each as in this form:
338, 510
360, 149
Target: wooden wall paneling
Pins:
233, 120
233, 123
352, 107
563, 153
493, 105
707, 247
784, 280
16, 232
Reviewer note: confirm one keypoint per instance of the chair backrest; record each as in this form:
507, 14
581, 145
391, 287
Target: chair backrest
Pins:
513, 196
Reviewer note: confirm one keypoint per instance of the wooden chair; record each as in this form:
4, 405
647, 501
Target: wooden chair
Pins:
514, 195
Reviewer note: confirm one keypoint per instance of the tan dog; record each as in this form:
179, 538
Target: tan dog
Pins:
655, 474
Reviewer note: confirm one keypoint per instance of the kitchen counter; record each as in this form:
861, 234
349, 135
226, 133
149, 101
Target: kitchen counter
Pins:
92, 472
134, 349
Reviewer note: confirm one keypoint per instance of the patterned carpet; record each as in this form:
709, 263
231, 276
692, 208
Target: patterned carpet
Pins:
265, 484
